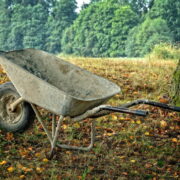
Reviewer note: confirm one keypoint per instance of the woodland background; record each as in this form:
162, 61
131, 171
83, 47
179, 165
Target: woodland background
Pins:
103, 28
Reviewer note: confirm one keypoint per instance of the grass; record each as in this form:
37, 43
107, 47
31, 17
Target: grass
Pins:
127, 147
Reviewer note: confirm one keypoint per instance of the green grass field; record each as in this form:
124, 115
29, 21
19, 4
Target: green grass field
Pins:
127, 147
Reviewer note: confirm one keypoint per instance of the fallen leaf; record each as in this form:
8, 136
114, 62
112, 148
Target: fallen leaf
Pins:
163, 124
9, 136
125, 173
10, 169
131, 137
22, 177
114, 117
39, 170
64, 126
138, 122
25, 169
133, 161
76, 125
38, 154
45, 160
174, 140
122, 118
3, 162
146, 133
122, 157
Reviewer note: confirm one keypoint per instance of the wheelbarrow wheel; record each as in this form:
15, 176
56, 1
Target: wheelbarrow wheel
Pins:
18, 120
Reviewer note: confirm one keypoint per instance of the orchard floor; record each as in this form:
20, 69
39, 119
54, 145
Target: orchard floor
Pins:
126, 147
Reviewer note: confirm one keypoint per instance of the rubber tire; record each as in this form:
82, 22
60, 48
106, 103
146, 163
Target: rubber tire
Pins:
27, 114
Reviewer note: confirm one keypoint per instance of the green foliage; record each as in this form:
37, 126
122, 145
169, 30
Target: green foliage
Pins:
165, 51
34, 23
141, 6
5, 19
62, 17
100, 30
104, 28
144, 37
160, 25
169, 10
138, 6
35, 27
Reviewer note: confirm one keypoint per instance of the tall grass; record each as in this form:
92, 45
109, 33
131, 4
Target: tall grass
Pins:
165, 51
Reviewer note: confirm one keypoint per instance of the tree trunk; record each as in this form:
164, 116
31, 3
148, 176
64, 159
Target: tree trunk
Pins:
176, 85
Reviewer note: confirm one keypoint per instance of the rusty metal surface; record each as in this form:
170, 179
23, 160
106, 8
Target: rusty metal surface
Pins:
54, 84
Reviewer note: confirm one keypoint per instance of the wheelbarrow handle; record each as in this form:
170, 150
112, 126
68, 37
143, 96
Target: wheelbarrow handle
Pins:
126, 110
151, 103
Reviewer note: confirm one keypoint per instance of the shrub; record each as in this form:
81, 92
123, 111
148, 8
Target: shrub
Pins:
144, 37
166, 51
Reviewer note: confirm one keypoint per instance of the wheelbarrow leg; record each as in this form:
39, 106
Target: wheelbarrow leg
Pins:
82, 148
53, 144
55, 130
43, 125
53, 125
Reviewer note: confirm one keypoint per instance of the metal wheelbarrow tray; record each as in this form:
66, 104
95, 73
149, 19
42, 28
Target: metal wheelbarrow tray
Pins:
54, 84
42, 79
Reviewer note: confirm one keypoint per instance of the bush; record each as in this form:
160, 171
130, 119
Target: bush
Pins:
144, 37
165, 51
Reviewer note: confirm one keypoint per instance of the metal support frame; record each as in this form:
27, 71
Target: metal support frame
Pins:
151, 103
53, 125
134, 103
55, 129
52, 136
82, 148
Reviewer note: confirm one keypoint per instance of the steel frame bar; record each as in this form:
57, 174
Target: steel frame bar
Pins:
82, 148
134, 103
52, 136
151, 103
41, 122
53, 125
12, 106
95, 112
55, 136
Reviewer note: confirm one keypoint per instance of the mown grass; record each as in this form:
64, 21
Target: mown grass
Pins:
127, 147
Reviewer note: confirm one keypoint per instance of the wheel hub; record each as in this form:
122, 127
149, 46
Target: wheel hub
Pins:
5, 113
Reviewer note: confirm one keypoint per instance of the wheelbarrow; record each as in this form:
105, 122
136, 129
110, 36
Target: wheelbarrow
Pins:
42, 79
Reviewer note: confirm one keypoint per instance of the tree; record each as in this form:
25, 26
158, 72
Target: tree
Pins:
22, 23
35, 28
168, 10
85, 5
144, 37
100, 30
27, 26
92, 1
34, 23
176, 85
161, 24
141, 7
5, 21
16, 27
62, 15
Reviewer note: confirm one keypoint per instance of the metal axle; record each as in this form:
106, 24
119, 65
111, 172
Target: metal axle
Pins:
13, 106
